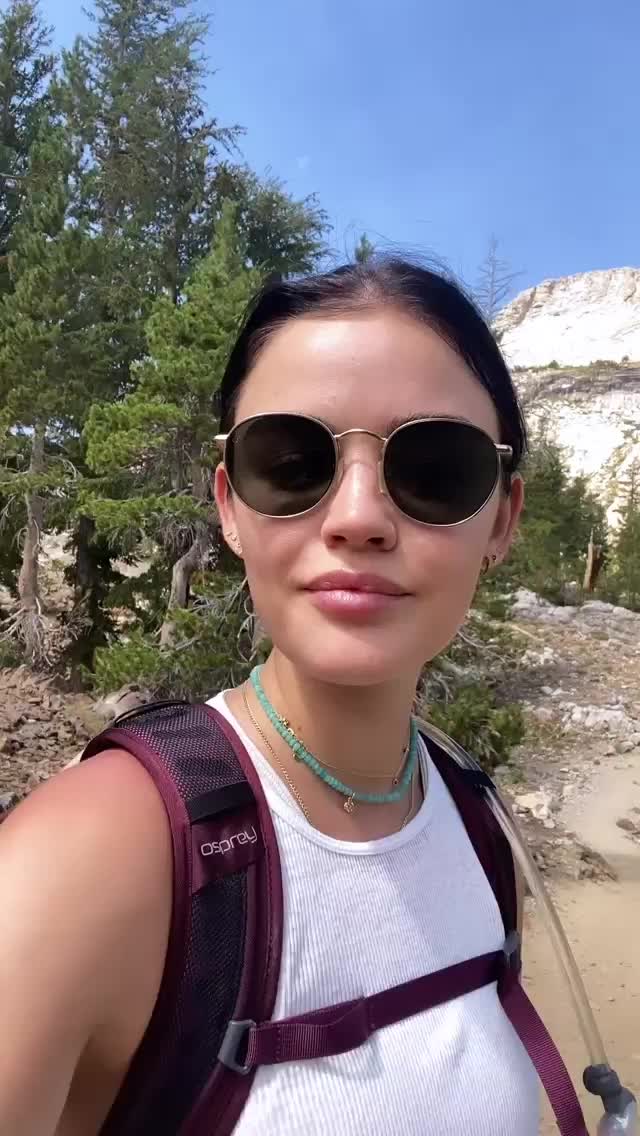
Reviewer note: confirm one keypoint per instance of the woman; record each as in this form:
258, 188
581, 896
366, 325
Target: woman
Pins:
371, 438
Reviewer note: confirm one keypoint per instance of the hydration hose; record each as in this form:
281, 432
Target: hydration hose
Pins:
620, 1106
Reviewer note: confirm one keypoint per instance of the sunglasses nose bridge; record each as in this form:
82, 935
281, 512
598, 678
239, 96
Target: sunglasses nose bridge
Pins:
382, 485
359, 430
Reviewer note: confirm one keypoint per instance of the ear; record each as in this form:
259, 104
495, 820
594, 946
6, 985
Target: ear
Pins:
507, 518
226, 509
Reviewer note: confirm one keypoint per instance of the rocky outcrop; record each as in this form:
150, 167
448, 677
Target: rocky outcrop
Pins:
41, 729
594, 416
122, 701
606, 619
574, 320
574, 347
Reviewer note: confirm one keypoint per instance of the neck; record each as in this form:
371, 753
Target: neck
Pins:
351, 728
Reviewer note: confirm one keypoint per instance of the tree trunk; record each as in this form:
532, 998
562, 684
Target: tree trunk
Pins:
84, 568
196, 556
28, 588
595, 561
183, 570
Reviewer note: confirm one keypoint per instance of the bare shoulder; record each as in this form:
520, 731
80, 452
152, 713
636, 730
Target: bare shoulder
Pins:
88, 825
91, 849
85, 879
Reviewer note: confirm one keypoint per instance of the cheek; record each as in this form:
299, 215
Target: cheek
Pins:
451, 558
448, 565
266, 542
270, 550
269, 562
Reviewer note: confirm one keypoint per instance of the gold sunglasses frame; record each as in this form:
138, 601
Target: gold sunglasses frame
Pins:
503, 453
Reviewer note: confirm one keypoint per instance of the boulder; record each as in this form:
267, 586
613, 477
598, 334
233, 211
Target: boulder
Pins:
606, 619
537, 803
7, 801
121, 702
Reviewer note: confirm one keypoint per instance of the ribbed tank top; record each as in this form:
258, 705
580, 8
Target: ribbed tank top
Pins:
361, 917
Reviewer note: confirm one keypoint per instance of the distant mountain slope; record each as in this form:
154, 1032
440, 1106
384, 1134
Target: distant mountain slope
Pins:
574, 320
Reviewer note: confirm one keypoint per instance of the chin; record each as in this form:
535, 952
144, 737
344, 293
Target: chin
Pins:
350, 656
363, 652
356, 668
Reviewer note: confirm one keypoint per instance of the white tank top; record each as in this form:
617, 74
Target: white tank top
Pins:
361, 917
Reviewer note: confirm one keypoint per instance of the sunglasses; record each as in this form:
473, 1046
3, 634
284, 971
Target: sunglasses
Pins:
438, 471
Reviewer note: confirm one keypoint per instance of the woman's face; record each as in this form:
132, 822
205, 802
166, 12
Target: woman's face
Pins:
365, 370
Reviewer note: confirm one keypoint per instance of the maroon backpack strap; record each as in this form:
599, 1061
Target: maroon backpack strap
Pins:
544, 1055
468, 788
337, 1029
340, 1028
223, 955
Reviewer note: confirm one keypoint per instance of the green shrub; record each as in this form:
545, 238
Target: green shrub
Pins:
9, 653
494, 595
211, 649
488, 731
604, 364
560, 515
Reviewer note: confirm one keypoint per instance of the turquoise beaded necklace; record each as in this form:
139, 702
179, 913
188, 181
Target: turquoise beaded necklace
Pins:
301, 753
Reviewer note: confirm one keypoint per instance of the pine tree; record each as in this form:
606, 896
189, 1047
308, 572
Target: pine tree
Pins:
159, 438
495, 282
560, 515
283, 236
134, 91
53, 354
364, 250
627, 544
25, 68
132, 95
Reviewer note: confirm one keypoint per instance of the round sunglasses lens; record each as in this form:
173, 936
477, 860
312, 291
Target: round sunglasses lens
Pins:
280, 464
440, 473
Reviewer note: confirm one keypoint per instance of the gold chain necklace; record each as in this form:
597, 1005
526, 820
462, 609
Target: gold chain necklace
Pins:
281, 767
356, 772
369, 776
296, 793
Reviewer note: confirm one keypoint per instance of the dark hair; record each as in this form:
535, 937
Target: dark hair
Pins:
432, 297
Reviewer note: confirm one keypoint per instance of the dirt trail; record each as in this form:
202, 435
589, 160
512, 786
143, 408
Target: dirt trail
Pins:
603, 924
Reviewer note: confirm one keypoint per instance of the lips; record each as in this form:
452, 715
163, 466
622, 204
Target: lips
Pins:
356, 582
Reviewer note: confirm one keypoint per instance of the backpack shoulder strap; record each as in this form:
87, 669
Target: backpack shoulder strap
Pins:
467, 788
225, 940
491, 846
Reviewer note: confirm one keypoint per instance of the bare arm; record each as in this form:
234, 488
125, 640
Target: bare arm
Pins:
85, 872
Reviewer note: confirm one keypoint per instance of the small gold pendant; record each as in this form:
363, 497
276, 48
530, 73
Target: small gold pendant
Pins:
349, 805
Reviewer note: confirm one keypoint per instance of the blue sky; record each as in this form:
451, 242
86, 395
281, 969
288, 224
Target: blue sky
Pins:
432, 126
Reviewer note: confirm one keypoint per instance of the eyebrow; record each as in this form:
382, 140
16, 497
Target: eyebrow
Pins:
395, 423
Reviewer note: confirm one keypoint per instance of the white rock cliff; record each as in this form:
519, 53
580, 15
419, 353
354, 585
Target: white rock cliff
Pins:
588, 327
577, 320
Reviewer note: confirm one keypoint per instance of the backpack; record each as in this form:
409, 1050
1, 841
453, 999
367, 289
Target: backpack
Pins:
212, 1023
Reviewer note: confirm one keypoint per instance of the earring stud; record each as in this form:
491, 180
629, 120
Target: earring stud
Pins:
233, 541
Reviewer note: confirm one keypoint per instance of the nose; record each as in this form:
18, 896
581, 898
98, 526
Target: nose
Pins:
358, 513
